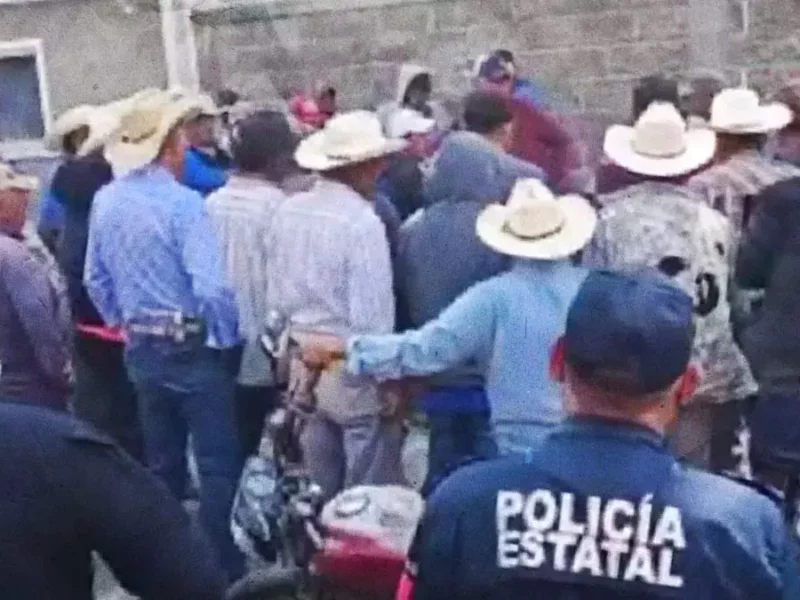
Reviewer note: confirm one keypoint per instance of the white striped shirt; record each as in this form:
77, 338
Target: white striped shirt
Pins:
242, 213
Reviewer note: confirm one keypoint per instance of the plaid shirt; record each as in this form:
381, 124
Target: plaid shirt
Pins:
727, 186
666, 227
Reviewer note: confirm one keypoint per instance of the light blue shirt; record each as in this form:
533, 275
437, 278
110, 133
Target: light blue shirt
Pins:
152, 247
507, 324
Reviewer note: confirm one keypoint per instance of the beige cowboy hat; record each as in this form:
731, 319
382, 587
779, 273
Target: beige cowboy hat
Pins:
143, 127
740, 111
346, 139
11, 180
203, 103
103, 124
536, 224
659, 145
69, 122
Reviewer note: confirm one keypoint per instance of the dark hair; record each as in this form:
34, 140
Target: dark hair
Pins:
261, 140
654, 88
485, 112
226, 97
506, 55
422, 82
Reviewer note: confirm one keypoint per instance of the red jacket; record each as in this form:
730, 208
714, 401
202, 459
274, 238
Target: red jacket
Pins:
541, 138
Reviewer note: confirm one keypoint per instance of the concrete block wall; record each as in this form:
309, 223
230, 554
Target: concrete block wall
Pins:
94, 51
589, 52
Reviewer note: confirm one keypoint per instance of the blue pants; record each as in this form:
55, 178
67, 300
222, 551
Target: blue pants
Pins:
454, 439
188, 389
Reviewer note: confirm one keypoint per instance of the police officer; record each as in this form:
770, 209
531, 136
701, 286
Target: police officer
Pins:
601, 509
67, 491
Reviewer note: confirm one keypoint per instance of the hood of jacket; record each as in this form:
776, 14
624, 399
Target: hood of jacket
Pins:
407, 72
468, 168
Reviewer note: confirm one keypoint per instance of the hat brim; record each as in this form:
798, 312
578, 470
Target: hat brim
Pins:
21, 183
310, 154
579, 225
619, 147
768, 118
68, 123
102, 129
125, 157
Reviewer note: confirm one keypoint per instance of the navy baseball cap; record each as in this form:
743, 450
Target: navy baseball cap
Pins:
629, 333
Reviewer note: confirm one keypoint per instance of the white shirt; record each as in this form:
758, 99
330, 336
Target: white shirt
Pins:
242, 213
331, 272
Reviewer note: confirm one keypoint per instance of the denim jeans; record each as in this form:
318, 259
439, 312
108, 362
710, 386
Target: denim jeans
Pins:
454, 439
187, 389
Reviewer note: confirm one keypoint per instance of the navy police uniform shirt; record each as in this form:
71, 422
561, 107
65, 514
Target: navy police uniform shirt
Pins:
67, 491
603, 511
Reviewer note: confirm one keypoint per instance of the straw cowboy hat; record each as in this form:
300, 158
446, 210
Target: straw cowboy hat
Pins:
407, 121
143, 129
203, 103
346, 139
536, 224
69, 122
11, 180
659, 145
739, 111
103, 124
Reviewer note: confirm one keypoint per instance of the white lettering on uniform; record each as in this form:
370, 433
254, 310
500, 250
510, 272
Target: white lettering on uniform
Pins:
602, 537
670, 529
561, 541
533, 556
509, 504
640, 566
665, 575
566, 515
508, 549
618, 507
614, 551
587, 557
545, 500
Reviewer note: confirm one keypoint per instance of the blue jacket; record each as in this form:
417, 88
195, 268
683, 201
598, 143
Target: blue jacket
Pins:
601, 510
68, 491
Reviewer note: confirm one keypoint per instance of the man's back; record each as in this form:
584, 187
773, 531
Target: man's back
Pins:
332, 269
601, 510
68, 491
152, 249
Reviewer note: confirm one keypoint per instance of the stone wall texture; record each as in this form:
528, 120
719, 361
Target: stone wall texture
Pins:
588, 52
94, 52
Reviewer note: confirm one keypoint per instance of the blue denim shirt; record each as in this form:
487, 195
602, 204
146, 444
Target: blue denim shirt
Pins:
507, 324
152, 247
500, 528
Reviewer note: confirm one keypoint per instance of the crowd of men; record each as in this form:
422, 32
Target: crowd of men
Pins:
571, 327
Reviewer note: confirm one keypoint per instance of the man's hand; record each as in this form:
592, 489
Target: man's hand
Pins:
319, 350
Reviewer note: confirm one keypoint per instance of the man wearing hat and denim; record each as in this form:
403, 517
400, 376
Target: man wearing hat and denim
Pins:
153, 269
602, 509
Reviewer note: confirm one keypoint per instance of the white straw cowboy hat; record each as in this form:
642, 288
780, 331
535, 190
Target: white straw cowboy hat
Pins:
11, 180
739, 111
346, 139
69, 122
103, 125
143, 127
407, 121
659, 145
536, 224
